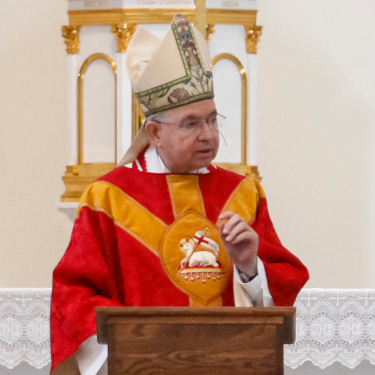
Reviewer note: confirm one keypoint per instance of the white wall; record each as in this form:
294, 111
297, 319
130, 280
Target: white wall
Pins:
316, 114
33, 234
317, 133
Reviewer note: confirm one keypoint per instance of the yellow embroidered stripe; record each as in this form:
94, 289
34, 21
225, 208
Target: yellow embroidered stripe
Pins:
245, 199
185, 194
126, 212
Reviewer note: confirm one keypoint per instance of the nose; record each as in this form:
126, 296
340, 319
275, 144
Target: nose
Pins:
206, 132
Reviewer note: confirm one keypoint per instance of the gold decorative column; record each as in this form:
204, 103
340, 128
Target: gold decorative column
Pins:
253, 35
71, 35
124, 34
201, 15
125, 115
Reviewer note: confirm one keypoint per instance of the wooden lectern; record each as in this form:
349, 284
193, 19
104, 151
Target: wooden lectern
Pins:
194, 341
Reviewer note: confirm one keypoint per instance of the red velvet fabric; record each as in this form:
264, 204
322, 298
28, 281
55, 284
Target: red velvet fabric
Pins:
105, 266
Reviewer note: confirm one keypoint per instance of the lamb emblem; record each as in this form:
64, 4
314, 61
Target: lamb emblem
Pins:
200, 261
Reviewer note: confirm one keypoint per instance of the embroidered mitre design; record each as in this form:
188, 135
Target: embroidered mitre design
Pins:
173, 72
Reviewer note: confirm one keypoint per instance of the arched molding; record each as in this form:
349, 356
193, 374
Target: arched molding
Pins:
241, 69
81, 79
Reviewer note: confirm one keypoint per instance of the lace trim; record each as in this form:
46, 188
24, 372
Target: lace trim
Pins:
333, 325
24, 327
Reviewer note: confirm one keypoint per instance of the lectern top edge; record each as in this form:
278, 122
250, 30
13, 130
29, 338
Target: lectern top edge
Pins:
196, 311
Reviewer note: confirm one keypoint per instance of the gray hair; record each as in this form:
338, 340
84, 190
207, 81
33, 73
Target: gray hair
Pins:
158, 117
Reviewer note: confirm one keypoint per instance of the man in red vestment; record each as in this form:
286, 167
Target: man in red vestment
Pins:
169, 229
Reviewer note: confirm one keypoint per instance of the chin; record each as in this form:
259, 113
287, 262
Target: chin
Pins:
202, 165
203, 161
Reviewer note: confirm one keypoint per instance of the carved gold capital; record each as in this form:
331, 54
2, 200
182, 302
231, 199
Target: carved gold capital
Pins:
253, 35
71, 35
124, 34
210, 29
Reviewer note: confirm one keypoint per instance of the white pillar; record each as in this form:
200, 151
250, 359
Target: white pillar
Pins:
72, 109
124, 107
251, 110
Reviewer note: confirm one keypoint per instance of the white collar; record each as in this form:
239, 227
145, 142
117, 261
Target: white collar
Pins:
154, 164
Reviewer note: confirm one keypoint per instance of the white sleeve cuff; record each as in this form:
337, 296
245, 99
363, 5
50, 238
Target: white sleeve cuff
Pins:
91, 356
256, 291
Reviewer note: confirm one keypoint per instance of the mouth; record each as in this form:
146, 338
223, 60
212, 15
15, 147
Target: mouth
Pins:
205, 151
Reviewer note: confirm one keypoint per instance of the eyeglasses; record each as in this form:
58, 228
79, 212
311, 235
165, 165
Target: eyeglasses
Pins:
191, 126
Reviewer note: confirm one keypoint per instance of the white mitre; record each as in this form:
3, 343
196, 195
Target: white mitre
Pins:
168, 73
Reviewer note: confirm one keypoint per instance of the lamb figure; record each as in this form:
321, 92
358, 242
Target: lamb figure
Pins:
199, 258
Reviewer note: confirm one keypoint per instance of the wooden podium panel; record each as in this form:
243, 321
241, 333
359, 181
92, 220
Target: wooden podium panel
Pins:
192, 341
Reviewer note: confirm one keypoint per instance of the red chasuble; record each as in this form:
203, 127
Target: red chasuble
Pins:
146, 239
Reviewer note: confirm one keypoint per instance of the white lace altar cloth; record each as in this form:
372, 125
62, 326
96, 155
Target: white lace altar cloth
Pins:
333, 325
24, 327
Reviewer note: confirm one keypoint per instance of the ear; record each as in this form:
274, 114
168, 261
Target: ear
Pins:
154, 129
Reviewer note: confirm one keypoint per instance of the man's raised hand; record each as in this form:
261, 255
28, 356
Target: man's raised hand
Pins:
241, 242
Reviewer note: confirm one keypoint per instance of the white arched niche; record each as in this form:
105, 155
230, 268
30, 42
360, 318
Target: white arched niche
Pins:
227, 85
99, 112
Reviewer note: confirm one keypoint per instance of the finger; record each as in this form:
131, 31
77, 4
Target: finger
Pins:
233, 221
226, 215
239, 228
220, 226
223, 219
244, 236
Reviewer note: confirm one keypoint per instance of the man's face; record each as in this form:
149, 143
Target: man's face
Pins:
182, 149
